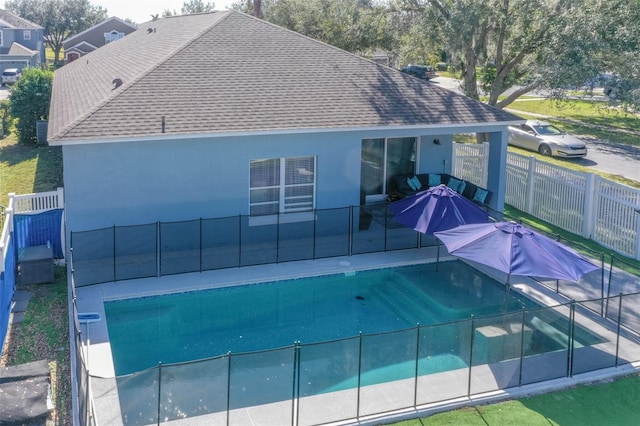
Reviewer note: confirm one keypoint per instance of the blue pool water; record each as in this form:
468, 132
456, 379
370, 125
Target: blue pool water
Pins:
187, 326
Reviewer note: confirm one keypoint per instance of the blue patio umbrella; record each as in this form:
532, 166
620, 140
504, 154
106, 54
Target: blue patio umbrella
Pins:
437, 209
516, 250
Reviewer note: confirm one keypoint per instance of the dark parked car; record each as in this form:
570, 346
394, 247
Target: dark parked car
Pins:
424, 72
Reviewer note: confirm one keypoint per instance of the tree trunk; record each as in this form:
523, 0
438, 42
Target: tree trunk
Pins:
470, 75
56, 56
257, 8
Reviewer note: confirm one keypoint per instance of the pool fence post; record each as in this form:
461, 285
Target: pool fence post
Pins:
415, 385
386, 220
350, 248
315, 225
158, 251
114, 254
200, 225
470, 356
359, 374
159, 389
606, 308
228, 385
602, 284
618, 329
87, 402
522, 325
295, 399
239, 245
278, 237
572, 314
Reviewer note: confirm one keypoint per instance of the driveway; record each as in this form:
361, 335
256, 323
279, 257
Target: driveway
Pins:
4, 92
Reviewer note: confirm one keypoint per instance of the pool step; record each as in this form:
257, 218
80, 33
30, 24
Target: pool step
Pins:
402, 303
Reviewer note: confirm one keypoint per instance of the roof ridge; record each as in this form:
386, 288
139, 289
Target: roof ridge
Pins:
130, 84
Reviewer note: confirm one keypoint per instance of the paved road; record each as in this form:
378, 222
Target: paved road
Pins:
614, 158
606, 156
4, 92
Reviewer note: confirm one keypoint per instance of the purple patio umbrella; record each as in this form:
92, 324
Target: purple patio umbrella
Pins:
437, 209
516, 250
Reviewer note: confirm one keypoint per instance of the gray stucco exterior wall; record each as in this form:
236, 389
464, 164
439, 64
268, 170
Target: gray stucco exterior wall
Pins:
170, 180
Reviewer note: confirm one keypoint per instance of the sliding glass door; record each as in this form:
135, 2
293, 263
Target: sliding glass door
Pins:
382, 159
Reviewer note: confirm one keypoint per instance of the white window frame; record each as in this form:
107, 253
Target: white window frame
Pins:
291, 208
112, 36
26, 34
1, 38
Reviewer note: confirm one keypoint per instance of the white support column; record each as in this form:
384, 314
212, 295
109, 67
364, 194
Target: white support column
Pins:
484, 173
60, 192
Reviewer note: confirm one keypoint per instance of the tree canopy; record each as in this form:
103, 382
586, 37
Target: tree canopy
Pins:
501, 48
59, 18
190, 7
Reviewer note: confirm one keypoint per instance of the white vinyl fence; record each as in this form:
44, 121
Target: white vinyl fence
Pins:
583, 203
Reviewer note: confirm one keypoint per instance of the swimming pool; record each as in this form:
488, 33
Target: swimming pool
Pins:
187, 326
231, 350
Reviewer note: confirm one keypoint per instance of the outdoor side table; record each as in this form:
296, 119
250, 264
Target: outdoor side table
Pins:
36, 264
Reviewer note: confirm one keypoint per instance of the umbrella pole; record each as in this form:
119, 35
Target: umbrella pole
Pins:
506, 303
437, 254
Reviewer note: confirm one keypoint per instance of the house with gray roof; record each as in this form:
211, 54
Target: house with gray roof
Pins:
21, 42
222, 114
107, 31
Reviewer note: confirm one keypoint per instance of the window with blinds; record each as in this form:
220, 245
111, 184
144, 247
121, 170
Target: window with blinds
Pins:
282, 185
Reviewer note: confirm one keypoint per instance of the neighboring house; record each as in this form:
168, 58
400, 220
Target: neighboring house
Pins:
111, 29
222, 114
21, 42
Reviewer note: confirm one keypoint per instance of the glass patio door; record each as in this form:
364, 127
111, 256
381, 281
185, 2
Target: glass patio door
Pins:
381, 159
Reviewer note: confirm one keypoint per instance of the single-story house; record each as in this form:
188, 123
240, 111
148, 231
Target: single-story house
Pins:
21, 42
107, 31
223, 114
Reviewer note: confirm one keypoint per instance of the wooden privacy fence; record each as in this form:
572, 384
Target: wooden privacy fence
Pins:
585, 204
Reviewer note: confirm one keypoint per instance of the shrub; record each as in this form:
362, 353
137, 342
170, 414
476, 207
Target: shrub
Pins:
5, 116
30, 97
441, 66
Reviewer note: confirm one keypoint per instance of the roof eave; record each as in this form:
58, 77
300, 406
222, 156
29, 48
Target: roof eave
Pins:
390, 129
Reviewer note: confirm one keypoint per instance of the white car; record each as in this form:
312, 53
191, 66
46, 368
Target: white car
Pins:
546, 139
10, 76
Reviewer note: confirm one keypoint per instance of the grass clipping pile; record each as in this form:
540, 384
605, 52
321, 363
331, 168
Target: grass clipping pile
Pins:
43, 335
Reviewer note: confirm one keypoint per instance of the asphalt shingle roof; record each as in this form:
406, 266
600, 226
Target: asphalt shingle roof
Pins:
10, 20
226, 72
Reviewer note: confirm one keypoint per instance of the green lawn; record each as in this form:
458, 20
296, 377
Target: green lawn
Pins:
590, 118
613, 403
28, 168
594, 112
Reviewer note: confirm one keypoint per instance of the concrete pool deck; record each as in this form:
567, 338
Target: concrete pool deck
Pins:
485, 377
